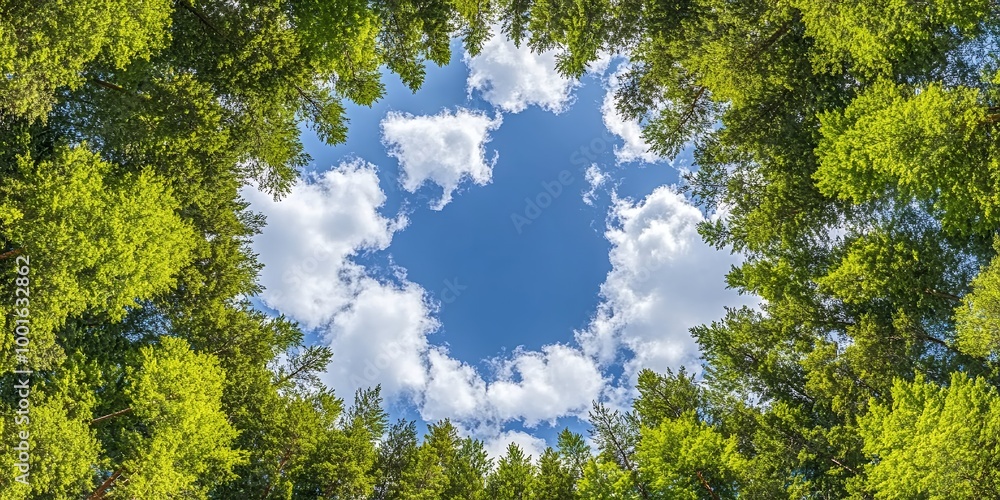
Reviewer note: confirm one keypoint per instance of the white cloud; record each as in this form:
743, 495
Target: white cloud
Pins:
381, 338
530, 386
443, 149
635, 147
542, 386
513, 78
595, 179
455, 390
599, 66
379, 330
664, 280
532, 446
311, 234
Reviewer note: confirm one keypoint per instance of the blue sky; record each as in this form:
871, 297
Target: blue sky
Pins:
447, 250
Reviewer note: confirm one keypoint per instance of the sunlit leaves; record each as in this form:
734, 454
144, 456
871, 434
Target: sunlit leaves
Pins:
48, 45
96, 242
935, 442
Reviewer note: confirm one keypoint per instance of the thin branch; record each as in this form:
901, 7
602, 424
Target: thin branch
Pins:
705, 484
11, 253
99, 492
107, 85
852, 471
943, 295
281, 466
201, 17
110, 415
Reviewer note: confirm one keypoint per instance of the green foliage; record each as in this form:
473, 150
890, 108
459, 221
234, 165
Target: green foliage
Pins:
468, 473
340, 461
514, 476
935, 442
96, 242
434, 456
397, 455
555, 480
181, 435
574, 453
667, 396
978, 317
47, 46
877, 37
604, 480
927, 144
683, 458
63, 446
850, 148
444, 466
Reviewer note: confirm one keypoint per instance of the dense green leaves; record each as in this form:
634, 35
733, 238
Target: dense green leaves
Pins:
931, 144
46, 46
849, 148
96, 242
180, 435
514, 476
978, 317
852, 150
682, 458
935, 442
127, 131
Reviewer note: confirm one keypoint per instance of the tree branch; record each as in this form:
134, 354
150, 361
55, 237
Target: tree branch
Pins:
201, 17
281, 466
852, 471
110, 415
943, 295
99, 492
107, 85
11, 253
705, 484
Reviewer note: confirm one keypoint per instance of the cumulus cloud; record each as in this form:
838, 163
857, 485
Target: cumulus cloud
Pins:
532, 446
595, 179
542, 386
529, 386
379, 329
454, 390
443, 149
513, 78
381, 338
311, 234
599, 66
635, 148
664, 280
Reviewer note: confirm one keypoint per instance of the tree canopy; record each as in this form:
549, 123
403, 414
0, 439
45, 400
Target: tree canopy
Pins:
851, 146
